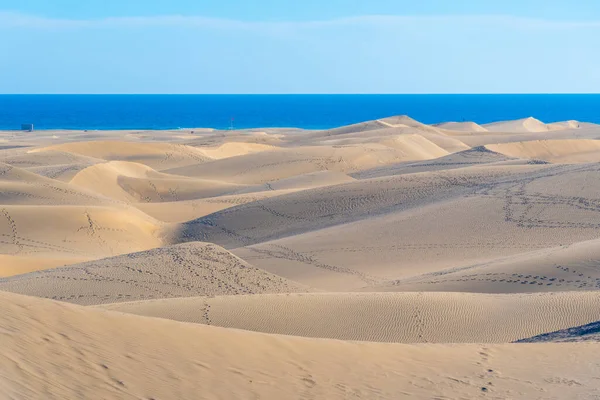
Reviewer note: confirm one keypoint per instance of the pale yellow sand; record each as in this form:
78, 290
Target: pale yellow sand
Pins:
564, 268
523, 125
462, 127
11, 265
133, 182
556, 151
44, 233
187, 210
187, 270
58, 351
285, 163
385, 317
302, 233
159, 156
364, 233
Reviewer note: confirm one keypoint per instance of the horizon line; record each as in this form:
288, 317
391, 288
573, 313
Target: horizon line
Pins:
308, 94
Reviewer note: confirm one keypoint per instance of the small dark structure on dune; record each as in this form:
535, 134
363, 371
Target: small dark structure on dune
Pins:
27, 127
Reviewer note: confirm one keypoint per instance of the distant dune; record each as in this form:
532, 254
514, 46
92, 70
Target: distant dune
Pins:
557, 151
159, 156
462, 126
132, 182
522, 125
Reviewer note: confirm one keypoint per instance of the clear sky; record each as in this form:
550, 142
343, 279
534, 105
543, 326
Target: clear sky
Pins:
309, 46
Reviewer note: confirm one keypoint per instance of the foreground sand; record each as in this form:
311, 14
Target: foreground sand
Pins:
383, 231
58, 351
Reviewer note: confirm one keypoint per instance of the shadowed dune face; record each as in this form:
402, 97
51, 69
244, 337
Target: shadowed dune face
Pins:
383, 231
584, 333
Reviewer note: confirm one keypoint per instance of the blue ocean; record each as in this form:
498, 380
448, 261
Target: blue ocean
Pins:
105, 112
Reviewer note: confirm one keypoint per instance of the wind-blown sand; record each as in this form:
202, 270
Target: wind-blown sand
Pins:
382, 231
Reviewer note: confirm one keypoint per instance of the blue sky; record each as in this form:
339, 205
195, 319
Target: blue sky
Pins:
325, 46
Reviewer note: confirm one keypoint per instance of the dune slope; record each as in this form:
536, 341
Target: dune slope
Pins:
385, 317
55, 351
43, 233
192, 269
556, 151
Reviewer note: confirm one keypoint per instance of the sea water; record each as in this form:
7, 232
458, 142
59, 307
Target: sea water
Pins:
106, 112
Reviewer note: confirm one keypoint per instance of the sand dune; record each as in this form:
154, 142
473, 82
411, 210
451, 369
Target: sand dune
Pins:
29, 158
22, 187
183, 211
354, 128
402, 120
556, 151
466, 158
133, 182
57, 165
530, 125
310, 181
60, 172
285, 163
584, 333
391, 317
376, 131
565, 125
193, 269
367, 232
522, 125
462, 126
564, 268
159, 156
232, 149
55, 351
388, 230
73, 232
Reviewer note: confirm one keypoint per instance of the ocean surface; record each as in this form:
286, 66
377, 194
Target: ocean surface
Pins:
105, 112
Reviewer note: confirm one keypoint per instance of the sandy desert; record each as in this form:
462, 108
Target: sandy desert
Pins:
388, 259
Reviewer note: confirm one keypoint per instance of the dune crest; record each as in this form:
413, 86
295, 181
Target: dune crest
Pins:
521, 125
462, 126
